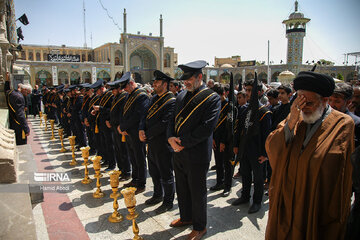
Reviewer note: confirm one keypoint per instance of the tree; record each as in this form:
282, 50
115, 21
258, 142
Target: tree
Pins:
326, 62
340, 76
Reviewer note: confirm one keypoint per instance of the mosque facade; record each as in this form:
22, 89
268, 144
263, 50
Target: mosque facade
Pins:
54, 65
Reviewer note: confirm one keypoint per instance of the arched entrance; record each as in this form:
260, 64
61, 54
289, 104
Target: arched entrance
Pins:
118, 58
249, 76
118, 75
74, 78
237, 78
225, 78
86, 77
143, 62
43, 78
262, 77
103, 75
274, 77
63, 78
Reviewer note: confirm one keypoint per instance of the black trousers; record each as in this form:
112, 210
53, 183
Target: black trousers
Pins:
249, 167
18, 134
191, 189
137, 155
224, 169
121, 154
107, 146
90, 137
161, 170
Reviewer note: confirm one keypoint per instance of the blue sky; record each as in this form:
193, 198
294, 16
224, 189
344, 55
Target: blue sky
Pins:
200, 29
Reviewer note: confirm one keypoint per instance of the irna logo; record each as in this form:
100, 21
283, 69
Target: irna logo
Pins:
52, 177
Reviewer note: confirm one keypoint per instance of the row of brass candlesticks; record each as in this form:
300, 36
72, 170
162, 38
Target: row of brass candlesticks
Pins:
128, 193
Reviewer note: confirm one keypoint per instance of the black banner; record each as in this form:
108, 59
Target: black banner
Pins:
246, 63
63, 58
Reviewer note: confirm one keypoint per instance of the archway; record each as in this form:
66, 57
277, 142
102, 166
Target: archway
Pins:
237, 78
262, 77
119, 58
249, 76
118, 75
274, 77
167, 60
74, 78
43, 78
143, 62
86, 77
225, 78
63, 77
103, 75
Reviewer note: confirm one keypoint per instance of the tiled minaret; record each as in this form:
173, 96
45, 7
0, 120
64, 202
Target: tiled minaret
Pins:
295, 33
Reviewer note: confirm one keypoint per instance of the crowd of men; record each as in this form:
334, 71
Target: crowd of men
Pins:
294, 142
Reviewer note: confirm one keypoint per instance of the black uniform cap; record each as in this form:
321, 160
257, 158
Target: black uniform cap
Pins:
192, 68
158, 75
99, 83
114, 84
315, 82
124, 79
72, 87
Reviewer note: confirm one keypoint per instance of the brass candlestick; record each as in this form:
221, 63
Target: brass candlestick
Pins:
97, 166
45, 120
130, 202
52, 130
61, 135
41, 115
114, 183
85, 155
72, 143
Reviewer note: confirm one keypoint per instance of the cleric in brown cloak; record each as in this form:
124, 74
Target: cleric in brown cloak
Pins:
309, 153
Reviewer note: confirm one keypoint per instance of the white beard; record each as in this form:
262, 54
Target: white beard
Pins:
310, 119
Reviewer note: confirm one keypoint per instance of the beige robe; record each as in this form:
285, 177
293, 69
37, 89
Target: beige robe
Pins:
310, 191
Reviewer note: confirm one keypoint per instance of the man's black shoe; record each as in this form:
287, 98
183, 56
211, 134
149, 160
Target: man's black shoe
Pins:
217, 187
153, 200
226, 192
124, 177
129, 184
240, 201
139, 190
164, 208
255, 207
213, 168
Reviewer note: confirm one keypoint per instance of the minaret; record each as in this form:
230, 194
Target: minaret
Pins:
161, 45
295, 33
85, 45
126, 68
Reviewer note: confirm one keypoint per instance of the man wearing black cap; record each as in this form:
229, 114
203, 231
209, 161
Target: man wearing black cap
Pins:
103, 136
134, 110
65, 111
117, 105
15, 100
76, 117
309, 152
89, 119
190, 135
153, 131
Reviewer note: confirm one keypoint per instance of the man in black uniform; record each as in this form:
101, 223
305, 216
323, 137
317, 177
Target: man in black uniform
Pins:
153, 131
76, 117
190, 135
252, 151
88, 118
17, 121
221, 144
134, 110
117, 106
66, 110
36, 100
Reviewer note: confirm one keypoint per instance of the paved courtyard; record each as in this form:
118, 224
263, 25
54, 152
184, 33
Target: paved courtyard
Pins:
77, 215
